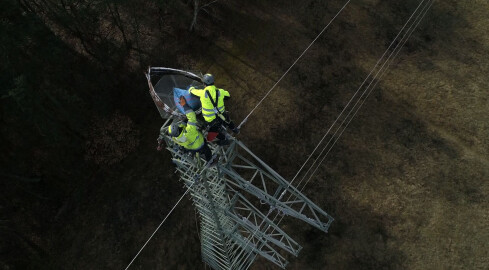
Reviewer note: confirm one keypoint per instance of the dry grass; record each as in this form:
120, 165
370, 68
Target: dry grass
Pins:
408, 181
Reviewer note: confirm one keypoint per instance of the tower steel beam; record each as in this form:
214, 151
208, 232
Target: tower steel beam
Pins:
234, 200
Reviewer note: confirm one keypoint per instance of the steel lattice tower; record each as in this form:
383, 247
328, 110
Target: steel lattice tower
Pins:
237, 201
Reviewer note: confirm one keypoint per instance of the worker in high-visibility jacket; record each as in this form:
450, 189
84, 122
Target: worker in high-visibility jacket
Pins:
213, 110
186, 134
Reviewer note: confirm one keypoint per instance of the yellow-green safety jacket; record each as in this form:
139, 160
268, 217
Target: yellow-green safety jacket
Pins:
217, 94
190, 137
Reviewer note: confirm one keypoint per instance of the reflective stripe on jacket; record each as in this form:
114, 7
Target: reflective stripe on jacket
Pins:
217, 95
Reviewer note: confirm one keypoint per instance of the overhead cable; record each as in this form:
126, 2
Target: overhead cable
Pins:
369, 89
395, 52
271, 89
293, 64
355, 94
382, 72
173, 208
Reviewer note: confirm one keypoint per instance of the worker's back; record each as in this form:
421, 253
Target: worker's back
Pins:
212, 100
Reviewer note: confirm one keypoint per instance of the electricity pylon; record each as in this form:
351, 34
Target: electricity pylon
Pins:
232, 199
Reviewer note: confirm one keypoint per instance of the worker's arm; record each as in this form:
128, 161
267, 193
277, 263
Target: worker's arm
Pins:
225, 94
190, 114
196, 92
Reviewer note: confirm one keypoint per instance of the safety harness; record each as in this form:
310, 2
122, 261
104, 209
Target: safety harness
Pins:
216, 111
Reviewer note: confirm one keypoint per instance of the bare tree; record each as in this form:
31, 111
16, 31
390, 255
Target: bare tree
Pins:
198, 6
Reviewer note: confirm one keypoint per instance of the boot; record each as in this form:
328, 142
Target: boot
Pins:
223, 142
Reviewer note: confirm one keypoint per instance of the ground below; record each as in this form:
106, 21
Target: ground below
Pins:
407, 182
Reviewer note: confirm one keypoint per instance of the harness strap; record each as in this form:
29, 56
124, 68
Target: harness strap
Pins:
216, 110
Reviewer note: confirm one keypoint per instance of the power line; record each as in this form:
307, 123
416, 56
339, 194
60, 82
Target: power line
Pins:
293, 64
244, 121
382, 72
352, 98
423, 11
188, 189
271, 89
368, 90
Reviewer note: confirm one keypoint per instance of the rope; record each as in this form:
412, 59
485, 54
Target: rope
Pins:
159, 226
293, 64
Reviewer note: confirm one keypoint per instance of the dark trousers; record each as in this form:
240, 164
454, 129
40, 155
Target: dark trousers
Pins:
216, 125
205, 150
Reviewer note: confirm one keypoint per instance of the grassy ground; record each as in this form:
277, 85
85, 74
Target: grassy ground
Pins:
407, 182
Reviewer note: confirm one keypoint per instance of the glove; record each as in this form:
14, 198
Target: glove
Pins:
183, 101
